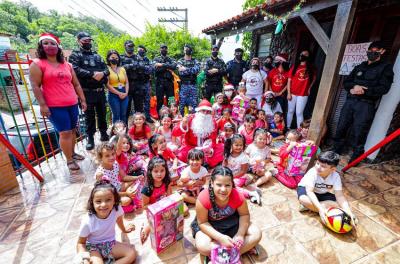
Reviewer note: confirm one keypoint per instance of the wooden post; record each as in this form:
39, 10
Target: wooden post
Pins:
317, 31
8, 179
330, 75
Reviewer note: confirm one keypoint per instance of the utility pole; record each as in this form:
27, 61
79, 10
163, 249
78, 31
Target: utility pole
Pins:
175, 20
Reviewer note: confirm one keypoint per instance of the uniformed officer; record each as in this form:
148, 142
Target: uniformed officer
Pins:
163, 65
236, 67
366, 84
92, 73
215, 69
188, 68
128, 61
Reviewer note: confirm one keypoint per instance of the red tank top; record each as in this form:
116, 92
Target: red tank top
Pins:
57, 87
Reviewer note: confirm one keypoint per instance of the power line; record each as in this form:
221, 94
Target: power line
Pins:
82, 7
95, 1
175, 20
138, 29
145, 7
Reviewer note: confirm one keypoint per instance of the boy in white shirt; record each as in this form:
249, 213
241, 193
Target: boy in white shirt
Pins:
321, 187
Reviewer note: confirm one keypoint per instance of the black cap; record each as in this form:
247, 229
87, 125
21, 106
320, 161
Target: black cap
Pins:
215, 47
82, 35
142, 47
129, 42
239, 50
188, 46
163, 46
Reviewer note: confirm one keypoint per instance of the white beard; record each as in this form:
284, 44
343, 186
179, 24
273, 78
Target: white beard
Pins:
202, 125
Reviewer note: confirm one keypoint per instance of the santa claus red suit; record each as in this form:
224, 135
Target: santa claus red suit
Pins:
201, 132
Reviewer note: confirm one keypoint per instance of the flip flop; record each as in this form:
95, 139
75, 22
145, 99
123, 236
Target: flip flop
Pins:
77, 156
72, 165
143, 235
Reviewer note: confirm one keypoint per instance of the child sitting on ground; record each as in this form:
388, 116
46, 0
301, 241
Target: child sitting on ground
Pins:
277, 128
166, 130
261, 121
228, 132
158, 186
240, 103
97, 232
247, 129
271, 106
303, 129
193, 177
140, 133
175, 114
321, 187
110, 170
226, 118
218, 106
252, 109
116, 128
260, 155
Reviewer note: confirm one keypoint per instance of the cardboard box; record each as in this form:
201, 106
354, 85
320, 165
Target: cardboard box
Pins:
166, 222
299, 158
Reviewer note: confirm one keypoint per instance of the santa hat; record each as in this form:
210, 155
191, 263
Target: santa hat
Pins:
204, 105
269, 93
218, 95
229, 86
282, 57
49, 36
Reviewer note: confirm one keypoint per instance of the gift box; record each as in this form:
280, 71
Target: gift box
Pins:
299, 158
166, 222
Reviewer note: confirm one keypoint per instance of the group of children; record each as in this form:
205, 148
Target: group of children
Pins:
138, 168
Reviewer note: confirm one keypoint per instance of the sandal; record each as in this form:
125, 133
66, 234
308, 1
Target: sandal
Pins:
72, 165
143, 234
77, 156
254, 251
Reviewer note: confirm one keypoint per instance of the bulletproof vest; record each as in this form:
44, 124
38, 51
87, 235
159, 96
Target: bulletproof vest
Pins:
188, 64
369, 75
91, 61
236, 71
131, 73
163, 74
217, 64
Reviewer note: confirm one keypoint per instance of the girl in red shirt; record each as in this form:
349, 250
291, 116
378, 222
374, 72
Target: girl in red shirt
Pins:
223, 216
301, 79
140, 132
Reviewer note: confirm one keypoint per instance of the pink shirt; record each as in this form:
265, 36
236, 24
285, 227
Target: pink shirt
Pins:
57, 87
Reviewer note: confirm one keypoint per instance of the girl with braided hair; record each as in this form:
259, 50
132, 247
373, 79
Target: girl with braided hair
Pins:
223, 216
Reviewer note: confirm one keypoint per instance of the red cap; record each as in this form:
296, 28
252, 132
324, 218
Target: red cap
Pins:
204, 105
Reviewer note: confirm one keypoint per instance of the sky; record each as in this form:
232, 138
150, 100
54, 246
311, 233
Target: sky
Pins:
201, 14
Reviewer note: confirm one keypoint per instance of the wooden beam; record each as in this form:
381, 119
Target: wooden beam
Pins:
330, 75
316, 30
309, 8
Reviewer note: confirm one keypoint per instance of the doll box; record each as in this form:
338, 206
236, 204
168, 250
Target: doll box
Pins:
166, 222
299, 158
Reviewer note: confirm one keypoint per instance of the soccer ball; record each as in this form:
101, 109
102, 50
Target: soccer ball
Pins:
338, 221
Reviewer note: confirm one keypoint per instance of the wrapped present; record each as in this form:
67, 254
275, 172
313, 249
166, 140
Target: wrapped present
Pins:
299, 158
224, 255
166, 222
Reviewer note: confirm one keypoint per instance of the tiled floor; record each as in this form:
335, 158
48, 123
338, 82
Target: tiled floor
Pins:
39, 223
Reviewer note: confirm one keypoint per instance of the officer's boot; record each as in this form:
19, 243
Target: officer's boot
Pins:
90, 143
104, 136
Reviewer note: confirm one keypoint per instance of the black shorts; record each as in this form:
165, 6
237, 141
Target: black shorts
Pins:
301, 190
228, 226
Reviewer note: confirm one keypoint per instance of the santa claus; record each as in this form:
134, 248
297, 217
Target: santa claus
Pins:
200, 130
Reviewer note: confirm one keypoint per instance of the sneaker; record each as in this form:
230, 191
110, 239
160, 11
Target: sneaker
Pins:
255, 197
90, 143
149, 120
302, 208
104, 137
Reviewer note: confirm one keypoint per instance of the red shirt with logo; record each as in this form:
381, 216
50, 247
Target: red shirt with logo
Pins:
301, 81
277, 80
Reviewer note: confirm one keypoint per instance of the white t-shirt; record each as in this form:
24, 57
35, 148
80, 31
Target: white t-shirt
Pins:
269, 112
195, 176
256, 153
330, 184
235, 163
99, 230
254, 81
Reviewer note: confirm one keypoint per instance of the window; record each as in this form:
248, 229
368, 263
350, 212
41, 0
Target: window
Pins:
264, 42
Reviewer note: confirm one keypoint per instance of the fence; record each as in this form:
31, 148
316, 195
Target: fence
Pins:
21, 124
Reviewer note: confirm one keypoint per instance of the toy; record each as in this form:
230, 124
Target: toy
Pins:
299, 158
338, 220
166, 221
224, 255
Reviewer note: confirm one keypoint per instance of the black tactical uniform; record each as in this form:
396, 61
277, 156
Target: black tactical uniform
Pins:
164, 78
85, 63
214, 80
235, 69
359, 110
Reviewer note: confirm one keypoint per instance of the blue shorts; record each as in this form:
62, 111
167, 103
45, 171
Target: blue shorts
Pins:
64, 118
